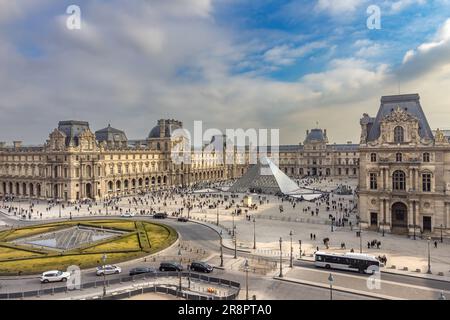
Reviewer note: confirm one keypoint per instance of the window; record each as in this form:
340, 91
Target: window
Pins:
398, 157
373, 181
426, 182
398, 180
426, 157
373, 157
399, 135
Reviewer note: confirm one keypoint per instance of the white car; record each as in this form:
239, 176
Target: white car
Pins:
55, 276
108, 269
127, 215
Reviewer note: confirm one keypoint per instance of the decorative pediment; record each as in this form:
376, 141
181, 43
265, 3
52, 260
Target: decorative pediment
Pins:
399, 115
440, 138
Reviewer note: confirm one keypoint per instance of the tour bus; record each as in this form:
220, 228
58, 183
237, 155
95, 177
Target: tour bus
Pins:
347, 261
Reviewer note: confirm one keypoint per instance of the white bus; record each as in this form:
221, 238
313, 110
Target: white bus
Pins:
359, 262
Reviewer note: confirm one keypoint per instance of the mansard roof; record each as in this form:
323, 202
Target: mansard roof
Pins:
110, 134
410, 103
72, 129
316, 135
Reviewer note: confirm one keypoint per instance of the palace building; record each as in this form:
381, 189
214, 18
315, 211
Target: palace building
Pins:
76, 163
404, 181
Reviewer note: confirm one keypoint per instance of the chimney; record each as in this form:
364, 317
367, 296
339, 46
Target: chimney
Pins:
17, 144
162, 128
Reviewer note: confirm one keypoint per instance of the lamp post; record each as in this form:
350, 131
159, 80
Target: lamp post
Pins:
59, 208
217, 222
281, 258
221, 248
232, 214
235, 242
331, 280
300, 248
179, 271
254, 233
290, 262
246, 267
442, 240
104, 274
331, 224
429, 257
360, 238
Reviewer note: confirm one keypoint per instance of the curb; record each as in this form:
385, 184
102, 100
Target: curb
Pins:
339, 289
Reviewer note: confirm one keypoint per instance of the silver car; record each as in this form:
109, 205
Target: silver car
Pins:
55, 276
108, 269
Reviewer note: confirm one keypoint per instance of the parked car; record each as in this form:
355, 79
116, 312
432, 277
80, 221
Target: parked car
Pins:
127, 215
160, 215
141, 270
201, 267
55, 276
170, 266
183, 219
108, 269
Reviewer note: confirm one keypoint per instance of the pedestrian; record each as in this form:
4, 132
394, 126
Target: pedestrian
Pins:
435, 244
310, 236
368, 245
314, 236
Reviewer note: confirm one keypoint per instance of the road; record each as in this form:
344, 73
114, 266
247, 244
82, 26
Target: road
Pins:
264, 286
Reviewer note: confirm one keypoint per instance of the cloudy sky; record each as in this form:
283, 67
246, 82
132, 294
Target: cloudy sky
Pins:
232, 63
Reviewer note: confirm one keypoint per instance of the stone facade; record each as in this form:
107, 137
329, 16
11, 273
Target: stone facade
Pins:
76, 163
404, 180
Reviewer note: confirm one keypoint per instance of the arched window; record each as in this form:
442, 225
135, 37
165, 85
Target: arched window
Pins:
373, 157
399, 135
398, 180
398, 157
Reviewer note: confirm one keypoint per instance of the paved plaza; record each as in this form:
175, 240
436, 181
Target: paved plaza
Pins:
274, 218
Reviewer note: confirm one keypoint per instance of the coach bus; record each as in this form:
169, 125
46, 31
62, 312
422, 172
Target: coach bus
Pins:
347, 261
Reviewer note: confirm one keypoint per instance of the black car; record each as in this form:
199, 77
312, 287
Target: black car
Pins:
160, 215
141, 270
170, 266
183, 219
201, 267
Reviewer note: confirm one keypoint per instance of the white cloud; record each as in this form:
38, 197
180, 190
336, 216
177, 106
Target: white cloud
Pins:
400, 5
338, 7
430, 54
288, 54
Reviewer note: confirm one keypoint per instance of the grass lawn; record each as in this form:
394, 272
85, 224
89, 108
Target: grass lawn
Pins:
160, 237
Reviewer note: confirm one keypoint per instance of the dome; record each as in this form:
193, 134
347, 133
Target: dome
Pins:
169, 129
316, 135
110, 134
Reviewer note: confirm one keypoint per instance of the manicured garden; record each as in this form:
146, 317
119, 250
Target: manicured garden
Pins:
137, 239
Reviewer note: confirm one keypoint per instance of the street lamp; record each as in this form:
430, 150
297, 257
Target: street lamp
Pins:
246, 267
104, 274
179, 270
232, 214
59, 209
331, 224
235, 242
300, 248
217, 215
429, 257
281, 258
331, 280
221, 248
290, 263
442, 240
360, 238
254, 233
